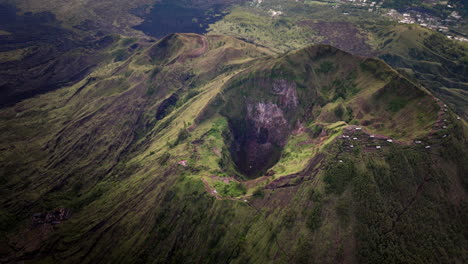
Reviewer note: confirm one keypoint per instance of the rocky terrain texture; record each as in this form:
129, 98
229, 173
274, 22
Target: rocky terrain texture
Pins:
212, 149
139, 159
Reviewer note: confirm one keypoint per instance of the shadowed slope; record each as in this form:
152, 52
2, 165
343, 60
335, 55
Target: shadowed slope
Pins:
140, 186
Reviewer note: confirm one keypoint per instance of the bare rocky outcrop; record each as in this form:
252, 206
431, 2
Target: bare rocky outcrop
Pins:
258, 146
287, 93
261, 134
268, 122
31, 238
52, 217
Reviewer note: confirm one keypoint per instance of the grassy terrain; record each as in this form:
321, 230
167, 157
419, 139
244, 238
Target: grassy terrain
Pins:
428, 57
99, 148
421, 54
417, 52
137, 148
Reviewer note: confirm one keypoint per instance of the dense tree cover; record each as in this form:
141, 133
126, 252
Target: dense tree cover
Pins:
401, 218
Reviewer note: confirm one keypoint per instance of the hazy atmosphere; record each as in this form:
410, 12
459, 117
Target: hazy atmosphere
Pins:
233, 131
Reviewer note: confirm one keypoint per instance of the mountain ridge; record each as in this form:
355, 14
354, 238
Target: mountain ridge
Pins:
141, 153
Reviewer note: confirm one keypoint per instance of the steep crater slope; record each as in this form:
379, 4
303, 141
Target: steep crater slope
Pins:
138, 161
279, 97
73, 145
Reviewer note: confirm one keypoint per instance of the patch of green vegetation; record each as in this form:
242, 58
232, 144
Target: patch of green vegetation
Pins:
339, 111
314, 218
295, 156
164, 158
107, 159
120, 54
150, 90
377, 69
338, 176
429, 58
87, 199
181, 136
231, 189
343, 88
343, 211
326, 67
289, 218
127, 41
397, 104
258, 192
280, 34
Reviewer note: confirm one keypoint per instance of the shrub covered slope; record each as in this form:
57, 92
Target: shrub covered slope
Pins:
211, 149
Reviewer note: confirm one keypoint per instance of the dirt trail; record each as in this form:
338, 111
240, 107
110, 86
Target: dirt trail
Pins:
307, 174
408, 205
202, 40
193, 53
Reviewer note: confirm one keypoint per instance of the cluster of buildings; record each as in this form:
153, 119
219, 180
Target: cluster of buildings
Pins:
416, 16
457, 38
429, 21
419, 16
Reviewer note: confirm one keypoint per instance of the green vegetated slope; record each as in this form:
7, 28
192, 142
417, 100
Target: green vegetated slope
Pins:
426, 56
438, 63
156, 156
